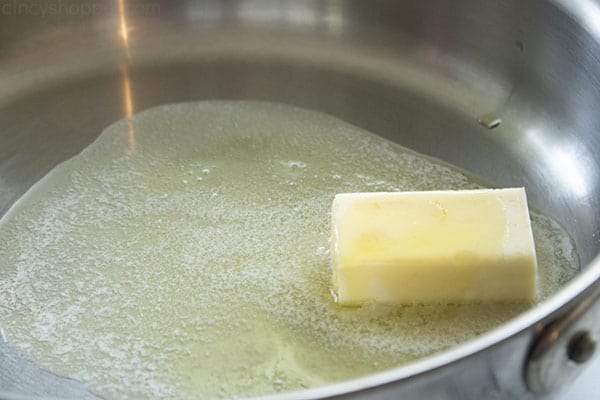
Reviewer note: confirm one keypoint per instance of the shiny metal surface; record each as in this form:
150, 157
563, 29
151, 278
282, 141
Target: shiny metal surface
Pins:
420, 73
564, 348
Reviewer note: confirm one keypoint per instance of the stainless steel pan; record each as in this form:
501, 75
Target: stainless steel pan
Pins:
509, 90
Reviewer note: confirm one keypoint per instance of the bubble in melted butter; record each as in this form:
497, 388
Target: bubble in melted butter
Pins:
194, 263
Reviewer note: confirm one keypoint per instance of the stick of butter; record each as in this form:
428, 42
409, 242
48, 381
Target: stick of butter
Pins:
433, 247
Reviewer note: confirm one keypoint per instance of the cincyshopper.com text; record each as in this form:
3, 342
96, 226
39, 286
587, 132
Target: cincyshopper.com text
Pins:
71, 9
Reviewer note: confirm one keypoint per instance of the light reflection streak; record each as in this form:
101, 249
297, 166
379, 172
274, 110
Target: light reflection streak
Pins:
326, 16
586, 12
123, 28
565, 161
128, 103
567, 165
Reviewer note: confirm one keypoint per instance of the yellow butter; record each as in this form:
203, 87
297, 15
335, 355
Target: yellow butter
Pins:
433, 247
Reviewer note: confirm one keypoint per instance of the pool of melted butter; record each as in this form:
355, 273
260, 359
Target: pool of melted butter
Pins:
184, 254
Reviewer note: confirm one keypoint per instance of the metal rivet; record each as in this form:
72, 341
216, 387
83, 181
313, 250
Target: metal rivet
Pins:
489, 121
581, 347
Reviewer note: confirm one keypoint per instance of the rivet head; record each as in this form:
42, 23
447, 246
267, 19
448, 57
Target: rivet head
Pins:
581, 347
489, 121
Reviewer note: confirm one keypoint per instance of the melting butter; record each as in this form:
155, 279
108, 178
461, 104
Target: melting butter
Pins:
195, 264
433, 247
